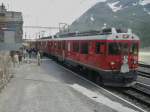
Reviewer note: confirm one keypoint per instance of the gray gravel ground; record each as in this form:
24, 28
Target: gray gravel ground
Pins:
47, 88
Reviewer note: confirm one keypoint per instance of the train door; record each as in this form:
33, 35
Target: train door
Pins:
84, 51
50, 47
55, 48
75, 50
91, 53
63, 50
68, 48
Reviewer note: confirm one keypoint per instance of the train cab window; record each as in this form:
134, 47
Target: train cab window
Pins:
118, 48
113, 49
99, 48
75, 46
84, 48
134, 48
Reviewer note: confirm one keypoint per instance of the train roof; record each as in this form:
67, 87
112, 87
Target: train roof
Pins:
105, 34
88, 33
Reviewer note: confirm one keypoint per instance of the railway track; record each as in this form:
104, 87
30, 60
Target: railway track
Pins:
138, 92
143, 73
144, 65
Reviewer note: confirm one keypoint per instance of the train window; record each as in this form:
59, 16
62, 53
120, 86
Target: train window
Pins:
113, 49
75, 46
84, 48
121, 30
118, 48
59, 45
124, 48
134, 48
98, 48
106, 31
55, 44
69, 47
51, 44
45, 44
63, 45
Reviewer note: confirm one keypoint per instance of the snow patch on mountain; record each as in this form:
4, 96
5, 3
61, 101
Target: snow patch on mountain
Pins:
145, 10
92, 18
134, 4
114, 6
134, 14
144, 2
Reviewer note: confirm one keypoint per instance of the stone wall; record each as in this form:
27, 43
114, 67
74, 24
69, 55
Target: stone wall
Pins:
5, 68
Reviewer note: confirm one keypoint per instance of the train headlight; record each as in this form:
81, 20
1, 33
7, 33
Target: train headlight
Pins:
112, 63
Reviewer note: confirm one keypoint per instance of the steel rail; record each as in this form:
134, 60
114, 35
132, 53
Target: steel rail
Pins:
144, 74
144, 65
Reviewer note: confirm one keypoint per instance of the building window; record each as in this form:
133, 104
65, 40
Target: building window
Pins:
75, 46
84, 48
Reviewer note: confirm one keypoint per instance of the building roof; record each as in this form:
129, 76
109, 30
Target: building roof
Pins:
7, 16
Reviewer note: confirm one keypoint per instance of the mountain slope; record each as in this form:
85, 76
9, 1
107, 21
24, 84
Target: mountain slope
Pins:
134, 14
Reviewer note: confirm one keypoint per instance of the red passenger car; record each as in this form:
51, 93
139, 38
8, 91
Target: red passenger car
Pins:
110, 56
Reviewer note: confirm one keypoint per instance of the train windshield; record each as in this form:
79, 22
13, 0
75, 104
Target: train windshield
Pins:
134, 48
116, 48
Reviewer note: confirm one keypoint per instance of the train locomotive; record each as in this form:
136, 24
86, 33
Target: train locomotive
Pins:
109, 56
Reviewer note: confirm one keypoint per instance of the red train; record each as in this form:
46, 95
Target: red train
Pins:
110, 56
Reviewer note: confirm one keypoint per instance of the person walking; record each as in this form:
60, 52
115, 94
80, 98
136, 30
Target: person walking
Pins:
20, 57
16, 59
24, 54
38, 58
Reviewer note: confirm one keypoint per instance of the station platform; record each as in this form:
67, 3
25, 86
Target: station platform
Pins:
52, 88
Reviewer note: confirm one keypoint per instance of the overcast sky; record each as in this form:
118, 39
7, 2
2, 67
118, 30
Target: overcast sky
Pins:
49, 12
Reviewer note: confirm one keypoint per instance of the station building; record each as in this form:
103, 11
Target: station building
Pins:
11, 29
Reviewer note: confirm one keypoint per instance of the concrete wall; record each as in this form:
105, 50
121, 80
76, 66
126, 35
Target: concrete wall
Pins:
9, 37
